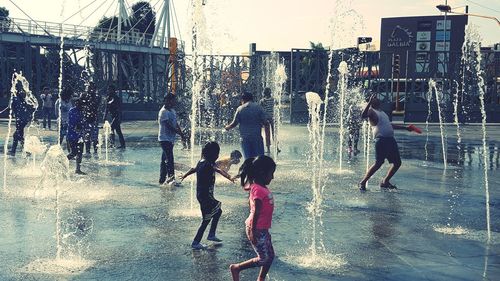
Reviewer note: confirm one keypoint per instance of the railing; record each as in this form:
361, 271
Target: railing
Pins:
93, 34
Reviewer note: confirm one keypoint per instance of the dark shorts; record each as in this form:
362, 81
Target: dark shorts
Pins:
209, 207
387, 148
252, 146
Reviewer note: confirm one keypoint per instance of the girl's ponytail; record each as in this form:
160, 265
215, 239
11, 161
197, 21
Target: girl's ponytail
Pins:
245, 171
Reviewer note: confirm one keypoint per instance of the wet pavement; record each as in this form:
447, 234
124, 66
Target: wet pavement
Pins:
117, 223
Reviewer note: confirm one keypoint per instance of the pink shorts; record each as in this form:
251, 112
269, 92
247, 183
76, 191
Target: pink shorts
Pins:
263, 246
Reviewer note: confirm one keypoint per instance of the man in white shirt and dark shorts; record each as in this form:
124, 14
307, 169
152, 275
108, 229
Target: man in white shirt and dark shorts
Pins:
168, 128
386, 146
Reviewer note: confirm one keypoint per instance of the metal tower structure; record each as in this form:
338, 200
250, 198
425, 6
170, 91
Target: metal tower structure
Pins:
163, 25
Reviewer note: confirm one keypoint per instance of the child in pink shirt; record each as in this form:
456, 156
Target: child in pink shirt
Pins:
256, 174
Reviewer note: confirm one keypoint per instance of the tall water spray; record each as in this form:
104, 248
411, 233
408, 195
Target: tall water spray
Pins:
433, 88
325, 114
342, 89
100, 140
280, 78
275, 76
60, 82
55, 167
315, 139
198, 25
471, 57
368, 134
429, 114
455, 117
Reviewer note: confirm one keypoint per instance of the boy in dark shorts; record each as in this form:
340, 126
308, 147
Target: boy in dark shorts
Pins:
386, 146
205, 181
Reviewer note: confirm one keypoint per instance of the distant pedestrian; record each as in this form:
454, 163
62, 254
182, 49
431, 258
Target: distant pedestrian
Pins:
256, 174
61, 110
205, 181
47, 107
168, 129
353, 126
250, 117
267, 104
91, 102
114, 108
75, 135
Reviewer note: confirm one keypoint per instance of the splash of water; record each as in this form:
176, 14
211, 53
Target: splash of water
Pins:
342, 88
455, 118
451, 230
275, 77
367, 139
365, 133
198, 40
472, 58
34, 147
60, 84
315, 139
107, 131
280, 78
429, 113
433, 88
100, 139
55, 167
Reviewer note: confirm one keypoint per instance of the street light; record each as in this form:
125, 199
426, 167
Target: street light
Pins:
447, 9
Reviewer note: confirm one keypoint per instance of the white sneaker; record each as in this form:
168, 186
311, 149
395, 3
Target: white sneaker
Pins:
198, 246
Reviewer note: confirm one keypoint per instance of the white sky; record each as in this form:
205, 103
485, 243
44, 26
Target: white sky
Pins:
272, 24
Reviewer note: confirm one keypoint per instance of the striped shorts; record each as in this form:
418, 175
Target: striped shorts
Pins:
263, 247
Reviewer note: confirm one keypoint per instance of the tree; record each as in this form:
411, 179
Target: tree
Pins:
4, 19
317, 46
107, 23
143, 17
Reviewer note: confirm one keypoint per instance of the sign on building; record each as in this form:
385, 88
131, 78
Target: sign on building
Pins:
424, 44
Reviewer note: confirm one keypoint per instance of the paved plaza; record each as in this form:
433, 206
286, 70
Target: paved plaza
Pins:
117, 223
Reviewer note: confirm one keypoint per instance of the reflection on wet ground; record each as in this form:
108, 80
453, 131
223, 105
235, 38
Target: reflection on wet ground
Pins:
117, 223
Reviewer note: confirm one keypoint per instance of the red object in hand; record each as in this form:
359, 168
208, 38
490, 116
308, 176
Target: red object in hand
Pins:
415, 129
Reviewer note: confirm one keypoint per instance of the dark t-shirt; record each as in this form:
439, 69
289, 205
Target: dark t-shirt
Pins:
115, 106
205, 180
250, 116
22, 110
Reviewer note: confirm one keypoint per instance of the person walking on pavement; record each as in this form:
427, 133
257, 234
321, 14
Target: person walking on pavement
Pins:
267, 104
47, 107
114, 108
250, 117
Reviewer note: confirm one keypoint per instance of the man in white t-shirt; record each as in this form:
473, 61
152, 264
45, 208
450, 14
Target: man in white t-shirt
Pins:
386, 146
168, 129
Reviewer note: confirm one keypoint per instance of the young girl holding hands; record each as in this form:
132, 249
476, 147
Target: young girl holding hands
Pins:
256, 174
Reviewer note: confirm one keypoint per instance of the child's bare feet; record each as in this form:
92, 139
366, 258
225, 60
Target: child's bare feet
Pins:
235, 272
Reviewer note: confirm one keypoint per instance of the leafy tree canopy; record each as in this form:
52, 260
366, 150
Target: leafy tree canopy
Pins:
108, 23
317, 46
143, 17
4, 13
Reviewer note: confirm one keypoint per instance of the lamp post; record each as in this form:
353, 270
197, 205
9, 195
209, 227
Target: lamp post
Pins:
448, 9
